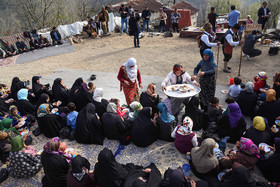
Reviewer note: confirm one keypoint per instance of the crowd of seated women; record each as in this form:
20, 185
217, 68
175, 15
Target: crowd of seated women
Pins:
83, 114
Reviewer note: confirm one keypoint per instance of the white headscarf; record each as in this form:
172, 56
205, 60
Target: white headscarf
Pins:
131, 72
98, 94
187, 126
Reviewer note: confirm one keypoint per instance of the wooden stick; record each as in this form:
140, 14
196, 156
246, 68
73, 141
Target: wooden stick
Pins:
217, 69
240, 62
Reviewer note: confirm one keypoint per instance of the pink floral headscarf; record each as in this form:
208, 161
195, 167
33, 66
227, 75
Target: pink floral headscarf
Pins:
247, 146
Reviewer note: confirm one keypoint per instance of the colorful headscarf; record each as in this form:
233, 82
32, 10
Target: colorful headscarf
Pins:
136, 107
249, 87
43, 110
262, 75
177, 67
6, 124
98, 94
17, 143
234, 114
22, 94
246, 145
131, 71
187, 126
11, 109
52, 146
112, 107
271, 95
164, 115
259, 123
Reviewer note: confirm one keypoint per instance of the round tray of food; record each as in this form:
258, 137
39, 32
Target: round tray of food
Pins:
182, 90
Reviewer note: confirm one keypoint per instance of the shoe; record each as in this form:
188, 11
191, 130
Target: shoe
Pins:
244, 55
248, 57
138, 46
229, 68
226, 71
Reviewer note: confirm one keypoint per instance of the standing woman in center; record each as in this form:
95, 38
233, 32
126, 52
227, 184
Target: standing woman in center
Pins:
127, 76
207, 81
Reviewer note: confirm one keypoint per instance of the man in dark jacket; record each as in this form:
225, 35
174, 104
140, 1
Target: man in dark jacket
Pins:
249, 43
21, 46
263, 14
56, 37
34, 44
146, 14
10, 50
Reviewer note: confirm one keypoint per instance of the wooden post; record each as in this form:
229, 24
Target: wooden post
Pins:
240, 62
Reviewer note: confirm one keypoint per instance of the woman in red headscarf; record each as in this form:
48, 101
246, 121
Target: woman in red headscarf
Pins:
127, 76
150, 98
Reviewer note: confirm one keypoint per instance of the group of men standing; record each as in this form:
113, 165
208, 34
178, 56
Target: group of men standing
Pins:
127, 12
229, 39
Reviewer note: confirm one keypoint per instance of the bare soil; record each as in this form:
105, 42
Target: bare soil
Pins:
156, 57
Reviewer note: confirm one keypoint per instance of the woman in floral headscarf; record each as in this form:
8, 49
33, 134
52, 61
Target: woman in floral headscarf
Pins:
247, 154
136, 107
185, 138
55, 164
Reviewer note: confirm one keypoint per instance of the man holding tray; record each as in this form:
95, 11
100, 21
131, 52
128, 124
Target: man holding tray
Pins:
177, 76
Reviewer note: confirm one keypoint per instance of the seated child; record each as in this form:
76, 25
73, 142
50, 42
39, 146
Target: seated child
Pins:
260, 81
228, 100
185, 138
214, 110
122, 111
17, 118
91, 87
234, 89
72, 116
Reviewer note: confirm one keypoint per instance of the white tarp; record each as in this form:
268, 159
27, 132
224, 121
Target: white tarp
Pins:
111, 23
117, 21
67, 30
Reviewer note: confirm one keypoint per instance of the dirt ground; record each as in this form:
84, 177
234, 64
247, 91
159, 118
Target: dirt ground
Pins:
155, 57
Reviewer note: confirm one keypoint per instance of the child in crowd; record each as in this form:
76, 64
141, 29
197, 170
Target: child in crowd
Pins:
260, 81
228, 100
185, 138
242, 29
120, 109
72, 116
18, 122
91, 87
214, 110
234, 89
